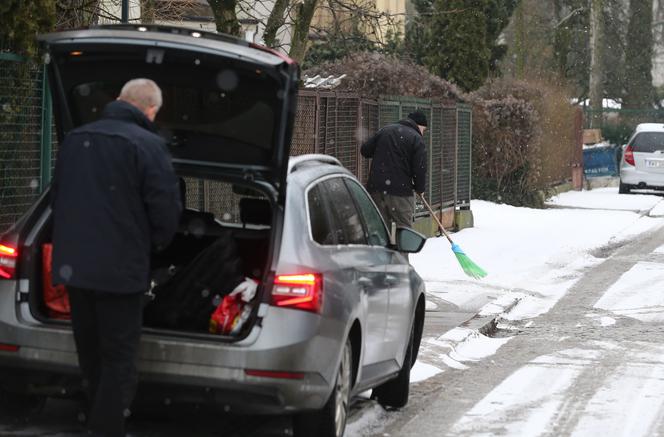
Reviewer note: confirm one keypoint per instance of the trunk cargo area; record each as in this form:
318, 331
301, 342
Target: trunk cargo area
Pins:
224, 236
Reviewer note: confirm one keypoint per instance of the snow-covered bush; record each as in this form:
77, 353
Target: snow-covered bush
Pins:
373, 74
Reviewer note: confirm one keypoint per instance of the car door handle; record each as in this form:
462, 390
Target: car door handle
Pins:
391, 280
364, 282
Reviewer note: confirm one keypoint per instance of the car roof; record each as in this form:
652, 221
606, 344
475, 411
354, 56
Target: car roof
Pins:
309, 167
649, 127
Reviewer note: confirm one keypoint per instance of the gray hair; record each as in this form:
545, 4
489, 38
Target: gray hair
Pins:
142, 93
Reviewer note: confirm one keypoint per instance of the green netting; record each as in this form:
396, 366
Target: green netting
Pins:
464, 144
20, 137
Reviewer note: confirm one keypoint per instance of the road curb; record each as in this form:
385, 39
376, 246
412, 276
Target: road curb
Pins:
485, 321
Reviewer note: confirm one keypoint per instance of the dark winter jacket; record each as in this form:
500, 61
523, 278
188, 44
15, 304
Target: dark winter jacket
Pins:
115, 198
399, 163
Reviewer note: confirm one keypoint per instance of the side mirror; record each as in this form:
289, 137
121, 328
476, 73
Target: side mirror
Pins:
409, 241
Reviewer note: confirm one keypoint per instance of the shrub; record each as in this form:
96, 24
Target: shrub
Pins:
523, 141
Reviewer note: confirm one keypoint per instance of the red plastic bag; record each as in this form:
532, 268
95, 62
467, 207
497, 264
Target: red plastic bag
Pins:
55, 296
227, 318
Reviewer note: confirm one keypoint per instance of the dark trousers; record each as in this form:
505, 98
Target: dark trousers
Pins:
397, 209
107, 329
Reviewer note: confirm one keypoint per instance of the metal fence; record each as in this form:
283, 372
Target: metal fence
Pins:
337, 124
326, 122
26, 133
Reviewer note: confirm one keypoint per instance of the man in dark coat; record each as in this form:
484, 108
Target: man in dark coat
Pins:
115, 199
399, 166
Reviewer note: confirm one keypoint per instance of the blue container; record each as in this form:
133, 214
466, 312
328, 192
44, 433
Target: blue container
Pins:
600, 161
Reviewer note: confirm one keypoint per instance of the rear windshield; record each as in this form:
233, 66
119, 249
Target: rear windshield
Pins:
213, 109
648, 142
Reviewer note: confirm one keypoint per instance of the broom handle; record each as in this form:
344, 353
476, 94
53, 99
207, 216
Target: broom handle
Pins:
433, 214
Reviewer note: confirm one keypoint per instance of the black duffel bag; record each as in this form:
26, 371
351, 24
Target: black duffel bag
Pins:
187, 300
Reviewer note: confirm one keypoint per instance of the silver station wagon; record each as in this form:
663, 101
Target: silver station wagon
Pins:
338, 310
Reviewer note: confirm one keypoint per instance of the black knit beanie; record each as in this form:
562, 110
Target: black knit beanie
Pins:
419, 118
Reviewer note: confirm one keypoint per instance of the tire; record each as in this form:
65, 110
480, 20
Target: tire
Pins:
330, 421
624, 188
394, 393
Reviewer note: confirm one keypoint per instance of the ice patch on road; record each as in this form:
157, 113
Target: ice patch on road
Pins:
422, 371
607, 321
469, 345
637, 293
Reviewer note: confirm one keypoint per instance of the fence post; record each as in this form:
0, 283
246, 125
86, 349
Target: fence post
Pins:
46, 138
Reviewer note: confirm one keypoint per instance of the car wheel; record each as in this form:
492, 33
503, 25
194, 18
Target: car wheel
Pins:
330, 421
394, 393
20, 406
624, 188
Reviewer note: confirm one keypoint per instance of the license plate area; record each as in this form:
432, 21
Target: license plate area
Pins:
650, 163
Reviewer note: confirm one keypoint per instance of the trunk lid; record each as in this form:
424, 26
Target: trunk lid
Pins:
227, 103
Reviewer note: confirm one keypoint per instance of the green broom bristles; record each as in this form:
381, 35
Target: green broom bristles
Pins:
469, 267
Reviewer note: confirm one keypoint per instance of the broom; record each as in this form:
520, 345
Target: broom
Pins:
469, 267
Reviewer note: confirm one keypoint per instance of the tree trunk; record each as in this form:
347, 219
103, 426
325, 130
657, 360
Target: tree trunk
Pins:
520, 36
596, 82
305, 13
638, 57
274, 22
225, 17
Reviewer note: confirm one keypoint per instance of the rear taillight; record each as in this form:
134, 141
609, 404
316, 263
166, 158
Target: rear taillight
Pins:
303, 292
629, 155
8, 256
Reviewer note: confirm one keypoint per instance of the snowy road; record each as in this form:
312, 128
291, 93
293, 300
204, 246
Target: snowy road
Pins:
591, 365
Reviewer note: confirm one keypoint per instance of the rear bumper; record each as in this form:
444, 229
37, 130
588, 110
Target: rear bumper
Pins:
631, 176
200, 370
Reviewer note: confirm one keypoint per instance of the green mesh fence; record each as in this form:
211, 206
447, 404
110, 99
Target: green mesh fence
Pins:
448, 155
25, 161
337, 124
464, 146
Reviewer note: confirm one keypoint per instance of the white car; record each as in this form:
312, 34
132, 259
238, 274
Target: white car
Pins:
642, 162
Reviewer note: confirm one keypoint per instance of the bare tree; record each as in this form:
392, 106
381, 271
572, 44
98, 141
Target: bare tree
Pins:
73, 14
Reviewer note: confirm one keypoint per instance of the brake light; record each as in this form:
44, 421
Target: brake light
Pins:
9, 347
8, 257
629, 155
303, 292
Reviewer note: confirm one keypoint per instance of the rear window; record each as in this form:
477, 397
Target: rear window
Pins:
224, 201
648, 142
213, 109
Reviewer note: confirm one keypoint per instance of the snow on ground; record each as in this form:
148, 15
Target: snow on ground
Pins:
533, 256
658, 210
422, 371
637, 293
605, 198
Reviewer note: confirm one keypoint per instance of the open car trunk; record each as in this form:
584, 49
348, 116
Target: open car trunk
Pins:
227, 118
225, 237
